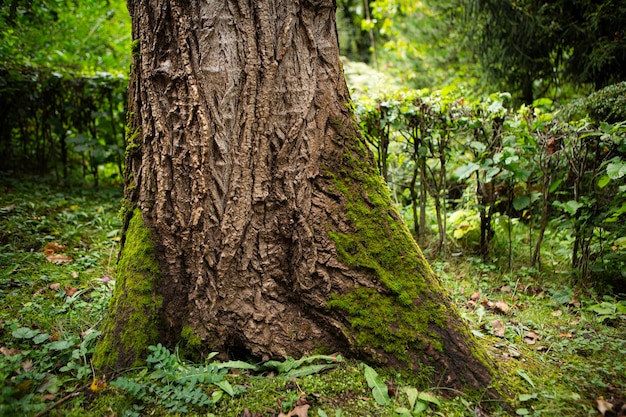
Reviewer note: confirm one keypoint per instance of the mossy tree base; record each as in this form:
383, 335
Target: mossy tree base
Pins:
134, 321
274, 234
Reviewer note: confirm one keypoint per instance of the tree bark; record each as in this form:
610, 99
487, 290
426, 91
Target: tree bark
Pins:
265, 226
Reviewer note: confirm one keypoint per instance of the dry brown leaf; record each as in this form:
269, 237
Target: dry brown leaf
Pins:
74, 274
604, 406
9, 351
575, 302
298, 411
498, 328
475, 296
531, 337
48, 397
55, 287
58, 258
27, 365
55, 247
69, 291
501, 307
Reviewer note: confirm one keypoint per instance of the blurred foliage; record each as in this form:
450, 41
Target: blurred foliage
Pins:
530, 45
78, 36
63, 67
471, 170
61, 123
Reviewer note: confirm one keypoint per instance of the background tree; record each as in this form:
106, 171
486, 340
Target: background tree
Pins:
256, 222
529, 46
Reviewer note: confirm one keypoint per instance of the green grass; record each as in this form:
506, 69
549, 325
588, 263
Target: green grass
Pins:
559, 348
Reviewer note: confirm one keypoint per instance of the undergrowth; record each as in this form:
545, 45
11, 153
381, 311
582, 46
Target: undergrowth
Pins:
559, 347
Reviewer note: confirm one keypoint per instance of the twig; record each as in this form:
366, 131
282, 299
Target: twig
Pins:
61, 401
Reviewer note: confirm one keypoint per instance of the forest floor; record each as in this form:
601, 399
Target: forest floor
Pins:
560, 348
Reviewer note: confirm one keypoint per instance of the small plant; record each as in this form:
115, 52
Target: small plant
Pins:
168, 382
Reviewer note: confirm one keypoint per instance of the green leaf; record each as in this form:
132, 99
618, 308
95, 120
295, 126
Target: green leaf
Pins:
24, 333
466, 170
616, 170
226, 387
236, 365
379, 388
411, 393
521, 202
522, 412
217, 396
555, 185
604, 308
572, 206
563, 296
308, 370
420, 407
604, 181
40, 338
525, 377
403, 411
429, 398
527, 397
61, 345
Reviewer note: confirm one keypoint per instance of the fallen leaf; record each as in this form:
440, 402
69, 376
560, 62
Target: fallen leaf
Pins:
557, 313
51, 250
531, 337
40, 291
246, 413
9, 351
568, 335
27, 365
58, 258
98, 385
505, 288
475, 296
575, 302
55, 247
604, 406
55, 287
74, 274
498, 328
7, 209
48, 397
298, 411
69, 291
501, 307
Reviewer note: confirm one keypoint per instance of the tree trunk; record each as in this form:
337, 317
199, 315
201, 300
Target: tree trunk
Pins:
257, 223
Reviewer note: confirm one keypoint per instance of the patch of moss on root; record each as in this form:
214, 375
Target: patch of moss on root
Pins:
132, 324
404, 319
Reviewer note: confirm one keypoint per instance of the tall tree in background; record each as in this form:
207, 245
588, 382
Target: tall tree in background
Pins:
257, 224
524, 42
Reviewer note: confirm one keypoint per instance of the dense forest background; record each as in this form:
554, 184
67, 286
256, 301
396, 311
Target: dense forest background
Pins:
484, 116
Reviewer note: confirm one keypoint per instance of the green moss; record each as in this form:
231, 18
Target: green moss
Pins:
132, 324
135, 47
190, 345
403, 319
382, 323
